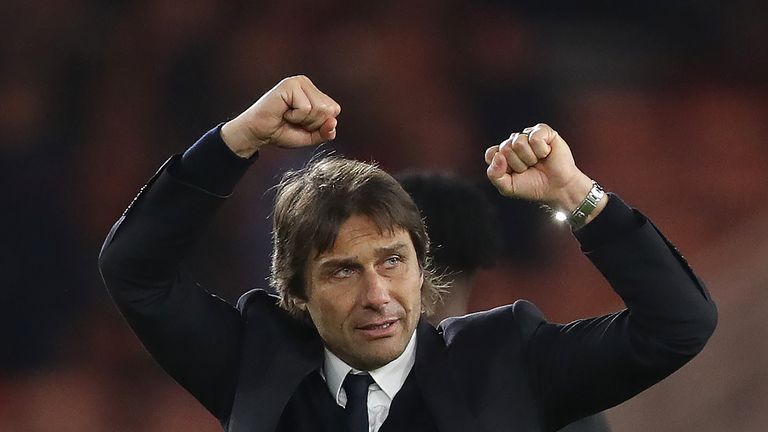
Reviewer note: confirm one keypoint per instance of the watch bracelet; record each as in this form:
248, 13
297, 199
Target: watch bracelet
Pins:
578, 217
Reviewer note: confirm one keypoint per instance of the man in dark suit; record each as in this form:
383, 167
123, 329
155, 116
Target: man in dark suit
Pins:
344, 346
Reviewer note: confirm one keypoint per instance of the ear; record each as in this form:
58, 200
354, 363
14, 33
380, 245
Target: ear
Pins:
421, 290
300, 304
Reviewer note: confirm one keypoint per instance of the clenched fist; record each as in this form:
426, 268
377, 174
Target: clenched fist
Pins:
537, 165
294, 113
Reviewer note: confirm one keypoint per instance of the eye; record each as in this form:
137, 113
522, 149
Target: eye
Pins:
343, 272
393, 261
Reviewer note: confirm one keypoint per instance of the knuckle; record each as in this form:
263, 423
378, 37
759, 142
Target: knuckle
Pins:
325, 109
297, 80
504, 147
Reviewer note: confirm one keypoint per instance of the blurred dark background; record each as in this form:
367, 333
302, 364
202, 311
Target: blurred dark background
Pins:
663, 102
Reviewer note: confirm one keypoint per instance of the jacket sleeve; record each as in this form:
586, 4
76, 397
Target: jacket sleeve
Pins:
193, 335
593, 364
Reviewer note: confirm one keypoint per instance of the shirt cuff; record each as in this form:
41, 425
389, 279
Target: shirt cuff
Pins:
616, 219
210, 165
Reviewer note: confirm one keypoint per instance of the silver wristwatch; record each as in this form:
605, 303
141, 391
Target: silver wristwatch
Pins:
578, 218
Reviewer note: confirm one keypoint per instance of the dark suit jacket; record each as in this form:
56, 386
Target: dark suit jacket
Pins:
506, 369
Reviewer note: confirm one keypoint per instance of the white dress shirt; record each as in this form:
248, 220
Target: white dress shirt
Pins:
388, 380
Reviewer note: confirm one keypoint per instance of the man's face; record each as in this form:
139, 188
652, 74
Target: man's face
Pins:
364, 295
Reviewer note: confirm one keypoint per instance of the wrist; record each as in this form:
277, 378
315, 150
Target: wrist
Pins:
578, 207
570, 197
239, 139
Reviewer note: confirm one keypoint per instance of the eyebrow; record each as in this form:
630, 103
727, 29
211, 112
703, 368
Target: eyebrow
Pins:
396, 248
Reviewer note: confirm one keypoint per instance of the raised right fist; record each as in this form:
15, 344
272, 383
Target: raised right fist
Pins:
294, 113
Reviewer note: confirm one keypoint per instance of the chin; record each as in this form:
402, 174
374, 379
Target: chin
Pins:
381, 357
369, 364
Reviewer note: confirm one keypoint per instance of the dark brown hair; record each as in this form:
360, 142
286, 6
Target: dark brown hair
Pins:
311, 205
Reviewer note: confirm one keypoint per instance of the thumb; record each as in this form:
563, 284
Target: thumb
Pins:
327, 130
497, 174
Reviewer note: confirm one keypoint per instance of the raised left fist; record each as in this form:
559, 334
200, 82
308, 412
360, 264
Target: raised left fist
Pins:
536, 164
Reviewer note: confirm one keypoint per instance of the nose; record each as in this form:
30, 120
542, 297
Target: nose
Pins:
375, 290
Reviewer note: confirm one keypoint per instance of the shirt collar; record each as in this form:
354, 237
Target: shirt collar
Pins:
389, 377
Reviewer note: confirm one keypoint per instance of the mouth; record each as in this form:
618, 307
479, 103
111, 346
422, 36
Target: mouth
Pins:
379, 329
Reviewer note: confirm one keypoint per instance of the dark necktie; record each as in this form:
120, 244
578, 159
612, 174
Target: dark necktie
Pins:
356, 411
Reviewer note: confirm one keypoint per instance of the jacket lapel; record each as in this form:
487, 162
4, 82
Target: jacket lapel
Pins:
267, 382
437, 380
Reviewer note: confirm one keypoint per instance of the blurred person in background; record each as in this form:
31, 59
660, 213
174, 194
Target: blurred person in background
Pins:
344, 345
465, 236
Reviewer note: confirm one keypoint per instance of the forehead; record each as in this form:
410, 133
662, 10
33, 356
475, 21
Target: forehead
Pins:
360, 235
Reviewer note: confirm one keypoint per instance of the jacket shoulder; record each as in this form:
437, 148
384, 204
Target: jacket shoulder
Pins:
261, 310
489, 350
522, 317
256, 298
